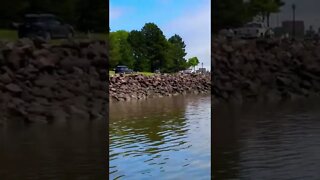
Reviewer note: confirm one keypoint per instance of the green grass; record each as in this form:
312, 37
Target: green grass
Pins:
12, 35
8, 34
112, 73
147, 73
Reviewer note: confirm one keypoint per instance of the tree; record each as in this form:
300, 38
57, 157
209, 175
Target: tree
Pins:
230, 14
82, 14
138, 45
156, 46
193, 62
91, 15
177, 53
264, 8
121, 52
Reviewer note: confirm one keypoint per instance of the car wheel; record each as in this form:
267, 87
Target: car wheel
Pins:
70, 35
47, 36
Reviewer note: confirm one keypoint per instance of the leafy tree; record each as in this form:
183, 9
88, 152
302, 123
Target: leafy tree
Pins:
83, 14
264, 8
91, 15
120, 50
193, 62
230, 14
138, 45
156, 46
177, 53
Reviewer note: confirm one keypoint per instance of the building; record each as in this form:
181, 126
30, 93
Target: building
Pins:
298, 26
201, 70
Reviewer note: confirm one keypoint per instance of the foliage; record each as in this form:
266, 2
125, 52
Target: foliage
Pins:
156, 46
177, 53
193, 62
147, 50
264, 8
85, 15
234, 13
120, 49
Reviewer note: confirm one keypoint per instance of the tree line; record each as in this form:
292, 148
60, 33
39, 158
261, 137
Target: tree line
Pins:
148, 50
84, 15
235, 13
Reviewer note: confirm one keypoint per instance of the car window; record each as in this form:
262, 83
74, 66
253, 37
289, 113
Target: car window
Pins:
254, 25
54, 22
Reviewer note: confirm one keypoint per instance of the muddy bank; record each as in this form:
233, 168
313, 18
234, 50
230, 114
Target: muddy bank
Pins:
265, 70
136, 87
47, 83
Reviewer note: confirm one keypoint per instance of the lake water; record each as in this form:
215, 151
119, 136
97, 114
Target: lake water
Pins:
73, 150
275, 141
163, 138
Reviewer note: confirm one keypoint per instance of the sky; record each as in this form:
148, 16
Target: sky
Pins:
190, 19
306, 10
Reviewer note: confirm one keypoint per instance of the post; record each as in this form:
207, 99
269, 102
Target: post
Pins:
202, 68
294, 21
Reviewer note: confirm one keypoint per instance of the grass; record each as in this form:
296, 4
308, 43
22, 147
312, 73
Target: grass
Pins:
12, 35
9, 35
112, 73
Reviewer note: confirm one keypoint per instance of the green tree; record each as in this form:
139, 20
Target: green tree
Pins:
120, 50
177, 53
91, 15
156, 46
193, 62
138, 45
84, 15
264, 8
230, 14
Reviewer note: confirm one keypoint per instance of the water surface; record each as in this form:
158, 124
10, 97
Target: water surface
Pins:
71, 150
260, 141
163, 138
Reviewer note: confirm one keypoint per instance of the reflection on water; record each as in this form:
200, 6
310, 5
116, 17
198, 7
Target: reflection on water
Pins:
166, 137
74, 150
278, 141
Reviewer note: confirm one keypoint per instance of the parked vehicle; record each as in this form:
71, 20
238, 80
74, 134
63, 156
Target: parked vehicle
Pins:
123, 69
253, 30
228, 33
47, 26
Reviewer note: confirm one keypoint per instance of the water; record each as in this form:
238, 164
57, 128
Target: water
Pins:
165, 138
276, 141
73, 150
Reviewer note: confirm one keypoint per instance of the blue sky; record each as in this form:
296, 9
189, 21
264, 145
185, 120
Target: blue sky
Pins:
188, 18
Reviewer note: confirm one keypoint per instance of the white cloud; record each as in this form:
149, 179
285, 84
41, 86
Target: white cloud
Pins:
116, 12
195, 29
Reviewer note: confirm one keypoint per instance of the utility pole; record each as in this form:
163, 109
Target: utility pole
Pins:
202, 71
294, 21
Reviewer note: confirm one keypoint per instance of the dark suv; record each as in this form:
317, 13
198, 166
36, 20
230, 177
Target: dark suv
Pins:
123, 69
47, 26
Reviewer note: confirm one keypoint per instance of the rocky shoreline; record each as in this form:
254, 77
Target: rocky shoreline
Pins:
41, 82
265, 70
137, 87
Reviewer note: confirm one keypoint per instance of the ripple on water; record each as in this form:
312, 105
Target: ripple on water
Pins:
167, 143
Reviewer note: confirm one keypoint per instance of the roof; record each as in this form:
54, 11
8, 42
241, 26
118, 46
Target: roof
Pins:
39, 15
122, 66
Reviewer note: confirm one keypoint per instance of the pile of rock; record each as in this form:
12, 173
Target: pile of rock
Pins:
135, 87
269, 70
40, 82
